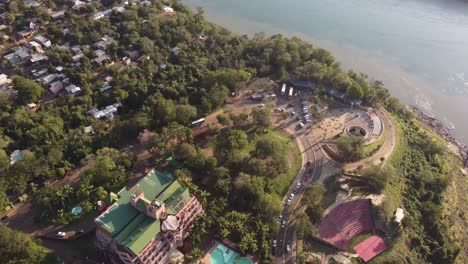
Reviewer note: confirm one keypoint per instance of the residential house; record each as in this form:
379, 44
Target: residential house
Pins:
39, 72
16, 156
34, 45
77, 5
126, 61
4, 80
104, 43
76, 49
56, 87
46, 79
32, 107
37, 57
45, 42
32, 3
58, 14
89, 130
148, 221
168, 9
78, 56
20, 54
23, 34
108, 111
98, 15
72, 89
100, 60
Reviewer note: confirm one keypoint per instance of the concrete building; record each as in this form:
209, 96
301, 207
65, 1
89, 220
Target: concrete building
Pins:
148, 221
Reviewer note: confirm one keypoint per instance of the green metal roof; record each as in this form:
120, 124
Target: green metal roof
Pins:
132, 228
174, 163
138, 233
174, 197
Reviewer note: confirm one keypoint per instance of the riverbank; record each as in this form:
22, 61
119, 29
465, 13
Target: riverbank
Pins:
446, 133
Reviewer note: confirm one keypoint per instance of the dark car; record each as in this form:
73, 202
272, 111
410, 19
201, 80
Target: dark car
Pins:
4, 218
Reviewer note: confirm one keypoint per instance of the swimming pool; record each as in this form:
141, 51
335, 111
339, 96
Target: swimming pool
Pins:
224, 255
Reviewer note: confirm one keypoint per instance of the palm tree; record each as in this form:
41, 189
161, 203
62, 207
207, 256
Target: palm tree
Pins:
67, 191
203, 197
60, 197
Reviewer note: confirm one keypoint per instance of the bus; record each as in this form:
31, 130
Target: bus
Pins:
283, 89
198, 122
291, 91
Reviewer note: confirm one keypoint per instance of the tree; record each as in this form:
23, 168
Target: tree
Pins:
355, 91
17, 247
4, 159
184, 151
231, 139
107, 174
4, 201
262, 117
351, 148
313, 194
376, 177
185, 113
239, 119
223, 119
28, 90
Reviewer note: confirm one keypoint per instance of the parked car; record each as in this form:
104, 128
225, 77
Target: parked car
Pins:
4, 218
298, 185
288, 248
301, 125
283, 224
261, 105
288, 201
280, 217
61, 234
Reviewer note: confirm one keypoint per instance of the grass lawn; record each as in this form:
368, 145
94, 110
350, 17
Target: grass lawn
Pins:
283, 181
374, 147
358, 239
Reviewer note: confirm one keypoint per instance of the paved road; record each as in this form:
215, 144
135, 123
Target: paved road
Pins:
310, 151
387, 148
22, 216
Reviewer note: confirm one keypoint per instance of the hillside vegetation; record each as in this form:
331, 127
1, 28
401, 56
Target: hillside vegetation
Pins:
425, 172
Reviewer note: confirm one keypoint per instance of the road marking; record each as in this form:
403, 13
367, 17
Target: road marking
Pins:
300, 196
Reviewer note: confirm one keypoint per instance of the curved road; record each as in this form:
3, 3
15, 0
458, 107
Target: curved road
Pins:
310, 151
387, 148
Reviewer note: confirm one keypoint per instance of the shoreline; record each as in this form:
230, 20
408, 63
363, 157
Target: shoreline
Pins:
440, 129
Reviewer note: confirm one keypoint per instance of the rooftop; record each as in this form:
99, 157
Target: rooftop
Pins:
128, 225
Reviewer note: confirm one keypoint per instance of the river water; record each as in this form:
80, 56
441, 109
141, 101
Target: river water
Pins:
418, 48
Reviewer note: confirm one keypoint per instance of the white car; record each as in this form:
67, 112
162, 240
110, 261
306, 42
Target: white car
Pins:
288, 201
283, 224
288, 248
61, 234
298, 185
274, 243
291, 196
261, 105
280, 217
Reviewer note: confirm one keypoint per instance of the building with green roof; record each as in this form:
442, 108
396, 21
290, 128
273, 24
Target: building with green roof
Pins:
148, 221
